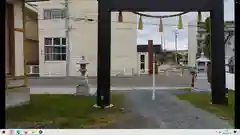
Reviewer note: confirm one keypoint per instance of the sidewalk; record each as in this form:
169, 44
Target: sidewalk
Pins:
92, 91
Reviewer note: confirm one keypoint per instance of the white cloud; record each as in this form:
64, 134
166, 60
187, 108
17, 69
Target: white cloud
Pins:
150, 27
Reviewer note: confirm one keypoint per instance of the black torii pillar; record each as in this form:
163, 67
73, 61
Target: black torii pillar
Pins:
104, 53
218, 54
104, 38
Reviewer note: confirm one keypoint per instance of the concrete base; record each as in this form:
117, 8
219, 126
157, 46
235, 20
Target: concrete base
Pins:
96, 106
82, 89
201, 83
17, 96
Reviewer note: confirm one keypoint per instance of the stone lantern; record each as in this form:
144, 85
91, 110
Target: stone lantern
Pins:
201, 64
83, 66
201, 83
83, 86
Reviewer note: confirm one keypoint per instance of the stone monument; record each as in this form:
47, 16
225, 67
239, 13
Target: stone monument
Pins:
201, 83
83, 86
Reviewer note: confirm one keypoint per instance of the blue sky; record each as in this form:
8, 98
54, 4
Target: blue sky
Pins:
170, 24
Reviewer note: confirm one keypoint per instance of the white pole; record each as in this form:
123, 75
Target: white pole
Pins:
153, 92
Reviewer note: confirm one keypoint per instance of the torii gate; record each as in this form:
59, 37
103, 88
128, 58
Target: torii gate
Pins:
215, 7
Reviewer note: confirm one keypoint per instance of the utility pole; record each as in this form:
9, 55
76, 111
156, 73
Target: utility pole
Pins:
162, 41
164, 44
176, 36
67, 37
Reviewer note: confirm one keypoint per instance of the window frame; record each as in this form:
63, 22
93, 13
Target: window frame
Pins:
54, 55
48, 14
142, 62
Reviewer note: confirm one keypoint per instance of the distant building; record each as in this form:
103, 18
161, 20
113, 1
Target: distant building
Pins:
192, 43
143, 57
82, 29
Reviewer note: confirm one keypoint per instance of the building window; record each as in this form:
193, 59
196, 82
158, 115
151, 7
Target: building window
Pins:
142, 58
142, 62
55, 49
54, 14
142, 66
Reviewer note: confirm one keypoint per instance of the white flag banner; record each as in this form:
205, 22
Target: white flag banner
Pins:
120, 132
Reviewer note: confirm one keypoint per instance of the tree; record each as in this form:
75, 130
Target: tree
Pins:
207, 48
179, 57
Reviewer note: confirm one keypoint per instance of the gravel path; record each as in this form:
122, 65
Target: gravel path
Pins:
166, 112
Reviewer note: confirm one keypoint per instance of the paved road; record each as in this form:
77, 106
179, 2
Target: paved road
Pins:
173, 80
166, 112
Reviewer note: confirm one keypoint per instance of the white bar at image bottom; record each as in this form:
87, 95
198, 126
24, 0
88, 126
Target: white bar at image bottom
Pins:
122, 131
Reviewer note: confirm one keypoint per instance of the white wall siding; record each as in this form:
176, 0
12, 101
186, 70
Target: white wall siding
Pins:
50, 68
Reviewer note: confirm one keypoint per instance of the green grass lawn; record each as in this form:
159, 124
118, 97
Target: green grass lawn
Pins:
202, 100
63, 111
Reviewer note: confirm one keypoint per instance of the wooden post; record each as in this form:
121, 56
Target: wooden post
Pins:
150, 57
25, 48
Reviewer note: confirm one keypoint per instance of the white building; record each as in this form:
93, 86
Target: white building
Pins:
198, 34
192, 43
143, 57
82, 38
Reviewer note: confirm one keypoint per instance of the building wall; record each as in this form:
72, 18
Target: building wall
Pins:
31, 30
31, 25
32, 46
83, 39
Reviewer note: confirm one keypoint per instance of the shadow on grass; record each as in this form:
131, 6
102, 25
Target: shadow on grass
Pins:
202, 100
63, 111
